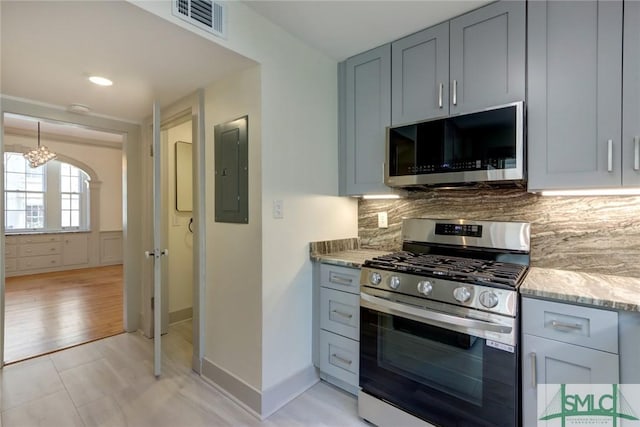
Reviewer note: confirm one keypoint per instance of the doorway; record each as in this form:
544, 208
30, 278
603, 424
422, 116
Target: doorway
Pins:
63, 236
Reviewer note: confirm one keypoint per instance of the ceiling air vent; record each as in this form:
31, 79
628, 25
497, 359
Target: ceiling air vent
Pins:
205, 14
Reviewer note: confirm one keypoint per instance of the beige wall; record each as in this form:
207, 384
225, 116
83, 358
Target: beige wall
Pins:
180, 239
233, 293
105, 161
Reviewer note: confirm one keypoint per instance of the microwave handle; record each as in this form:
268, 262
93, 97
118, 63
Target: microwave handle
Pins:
429, 317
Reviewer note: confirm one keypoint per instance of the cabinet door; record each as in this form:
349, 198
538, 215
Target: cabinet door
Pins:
488, 57
420, 76
75, 250
631, 96
574, 94
367, 114
546, 361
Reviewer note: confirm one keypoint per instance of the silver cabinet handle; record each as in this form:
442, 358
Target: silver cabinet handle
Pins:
454, 96
534, 380
343, 314
440, 95
341, 359
340, 280
563, 325
610, 155
636, 153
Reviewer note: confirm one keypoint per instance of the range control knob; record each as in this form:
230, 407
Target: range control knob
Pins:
425, 287
488, 299
461, 294
375, 278
394, 282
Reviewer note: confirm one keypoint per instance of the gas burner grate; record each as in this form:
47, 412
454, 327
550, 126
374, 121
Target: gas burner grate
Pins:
469, 270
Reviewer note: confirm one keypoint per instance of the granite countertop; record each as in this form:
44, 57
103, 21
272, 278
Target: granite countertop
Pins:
614, 292
350, 258
345, 252
600, 290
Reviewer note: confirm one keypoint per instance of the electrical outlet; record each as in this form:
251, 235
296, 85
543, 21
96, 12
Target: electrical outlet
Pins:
278, 209
382, 220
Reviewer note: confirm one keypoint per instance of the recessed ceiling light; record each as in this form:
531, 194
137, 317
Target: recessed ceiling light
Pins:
79, 108
101, 81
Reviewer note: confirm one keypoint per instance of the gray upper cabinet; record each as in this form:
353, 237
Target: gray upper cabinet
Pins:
574, 94
487, 57
365, 112
472, 62
631, 96
420, 75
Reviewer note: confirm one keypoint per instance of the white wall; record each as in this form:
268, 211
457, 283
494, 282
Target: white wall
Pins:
180, 239
233, 292
105, 161
299, 159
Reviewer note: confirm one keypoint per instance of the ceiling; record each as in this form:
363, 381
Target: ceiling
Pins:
47, 60
343, 28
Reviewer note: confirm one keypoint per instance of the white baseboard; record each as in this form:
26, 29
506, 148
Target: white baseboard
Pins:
259, 404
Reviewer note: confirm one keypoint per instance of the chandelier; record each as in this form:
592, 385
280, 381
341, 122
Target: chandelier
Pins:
39, 156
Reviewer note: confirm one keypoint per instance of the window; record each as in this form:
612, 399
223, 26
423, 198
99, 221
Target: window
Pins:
71, 183
24, 194
51, 197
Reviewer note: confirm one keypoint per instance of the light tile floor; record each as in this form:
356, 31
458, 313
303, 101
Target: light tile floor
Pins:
110, 383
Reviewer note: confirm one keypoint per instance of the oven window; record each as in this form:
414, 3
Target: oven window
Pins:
444, 360
444, 377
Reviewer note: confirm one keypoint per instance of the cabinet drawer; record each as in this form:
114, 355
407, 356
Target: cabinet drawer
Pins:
37, 249
340, 313
10, 251
40, 238
10, 264
36, 262
340, 278
583, 326
339, 357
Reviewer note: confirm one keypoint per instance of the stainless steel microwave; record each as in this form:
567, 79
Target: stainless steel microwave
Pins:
482, 147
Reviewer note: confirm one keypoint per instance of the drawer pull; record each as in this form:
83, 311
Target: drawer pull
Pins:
343, 314
534, 380
341, 359
563, 325
340, 280
440, 91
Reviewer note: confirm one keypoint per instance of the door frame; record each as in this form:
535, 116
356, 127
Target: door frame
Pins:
192, 105
131, 190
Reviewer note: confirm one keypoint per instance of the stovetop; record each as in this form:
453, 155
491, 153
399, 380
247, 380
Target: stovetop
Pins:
490, 273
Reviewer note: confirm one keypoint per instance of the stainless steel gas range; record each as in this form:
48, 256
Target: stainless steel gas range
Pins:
439, 325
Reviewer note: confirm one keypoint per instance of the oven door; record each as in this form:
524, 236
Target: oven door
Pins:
447, 369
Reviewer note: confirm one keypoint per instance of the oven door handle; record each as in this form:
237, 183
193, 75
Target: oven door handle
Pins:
435, 318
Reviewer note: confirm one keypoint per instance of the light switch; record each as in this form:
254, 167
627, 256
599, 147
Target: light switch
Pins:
278, 209
382, 220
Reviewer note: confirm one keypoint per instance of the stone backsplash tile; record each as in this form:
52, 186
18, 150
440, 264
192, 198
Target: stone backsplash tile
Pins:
589, 234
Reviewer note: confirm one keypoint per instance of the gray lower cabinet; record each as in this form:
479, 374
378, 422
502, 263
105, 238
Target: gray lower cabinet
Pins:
364, 114
472, 62
574, 94
565, 344
337, 325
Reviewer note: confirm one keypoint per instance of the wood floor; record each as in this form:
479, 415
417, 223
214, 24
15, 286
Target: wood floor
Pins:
51, 311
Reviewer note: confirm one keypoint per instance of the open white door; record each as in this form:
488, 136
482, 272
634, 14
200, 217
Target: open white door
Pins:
156, 253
